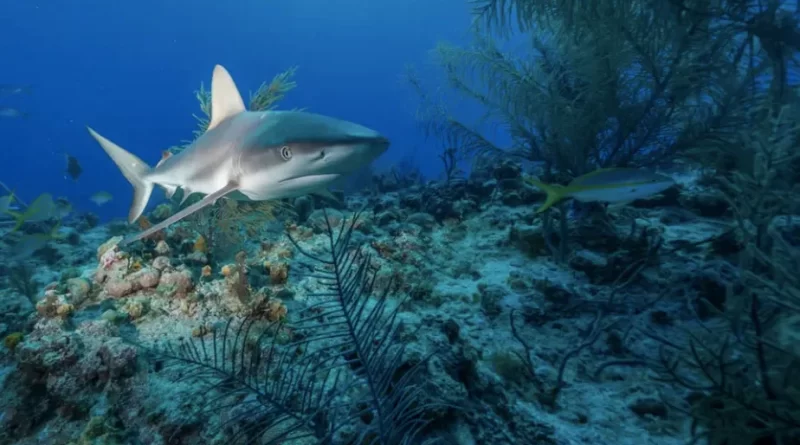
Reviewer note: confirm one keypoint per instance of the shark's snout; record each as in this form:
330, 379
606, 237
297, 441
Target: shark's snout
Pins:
300, 153
336, 158
379, 145
361, 152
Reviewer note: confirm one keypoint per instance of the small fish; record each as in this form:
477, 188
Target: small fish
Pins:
11, 112
74, 168
101, 198
30, 243
63, 208
8, 90
42, 209
609, 185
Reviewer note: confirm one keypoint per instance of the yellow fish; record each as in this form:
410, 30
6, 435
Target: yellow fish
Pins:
42, 209
610, 185
28, 244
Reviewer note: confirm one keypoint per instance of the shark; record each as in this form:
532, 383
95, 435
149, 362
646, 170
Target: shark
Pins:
248, 155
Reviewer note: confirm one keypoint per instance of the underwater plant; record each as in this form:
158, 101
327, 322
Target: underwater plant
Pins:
743, 372
618, 83
21, 279
613, 83
738, 360
266, 97
226, 225
600, 86
334, 374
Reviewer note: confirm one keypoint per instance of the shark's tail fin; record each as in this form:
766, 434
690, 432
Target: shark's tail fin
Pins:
134, 170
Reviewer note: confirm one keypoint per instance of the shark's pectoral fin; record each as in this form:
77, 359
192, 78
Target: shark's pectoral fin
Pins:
206, 201
225, 98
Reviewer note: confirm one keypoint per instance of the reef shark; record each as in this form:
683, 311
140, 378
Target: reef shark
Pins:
249, 155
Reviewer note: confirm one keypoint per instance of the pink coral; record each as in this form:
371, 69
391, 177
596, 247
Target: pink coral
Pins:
119, 287
145, 278
176, 283
110, 257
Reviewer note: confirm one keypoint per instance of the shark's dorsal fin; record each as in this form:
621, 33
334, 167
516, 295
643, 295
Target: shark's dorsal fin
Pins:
225, 98
206, 201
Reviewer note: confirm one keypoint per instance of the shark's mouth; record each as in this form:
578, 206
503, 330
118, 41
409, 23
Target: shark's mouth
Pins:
310, 179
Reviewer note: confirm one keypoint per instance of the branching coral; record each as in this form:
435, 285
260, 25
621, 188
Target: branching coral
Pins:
342, 377
609, 83
268, 94
266, 97
227, 224
740, 367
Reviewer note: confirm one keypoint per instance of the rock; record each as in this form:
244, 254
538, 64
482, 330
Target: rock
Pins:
506, 170
118, 287
197, 258
145, 278
118, 357
711, 291
490, 297
706, 204
303, 206
648, 406
160, 213
161, 263
113, 242
78, 289
175, 283
590, 263
451, 330
162, 248
423, 220
385, 218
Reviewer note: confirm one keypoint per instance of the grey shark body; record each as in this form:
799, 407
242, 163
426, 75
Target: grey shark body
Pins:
250, 155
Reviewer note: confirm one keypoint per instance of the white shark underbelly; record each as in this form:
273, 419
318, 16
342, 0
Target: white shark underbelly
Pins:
289, 188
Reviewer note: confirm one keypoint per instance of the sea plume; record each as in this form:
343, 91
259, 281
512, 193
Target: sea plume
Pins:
334, 374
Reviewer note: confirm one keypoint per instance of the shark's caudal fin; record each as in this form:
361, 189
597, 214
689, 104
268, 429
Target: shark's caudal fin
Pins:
554, 192
134, 170
225, 98
206, 201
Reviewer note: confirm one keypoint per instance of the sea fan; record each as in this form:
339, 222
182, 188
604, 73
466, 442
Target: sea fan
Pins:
335, 374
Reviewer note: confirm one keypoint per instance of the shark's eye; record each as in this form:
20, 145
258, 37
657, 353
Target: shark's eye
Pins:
286, 153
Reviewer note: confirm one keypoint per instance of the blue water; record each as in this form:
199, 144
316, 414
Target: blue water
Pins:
129, 69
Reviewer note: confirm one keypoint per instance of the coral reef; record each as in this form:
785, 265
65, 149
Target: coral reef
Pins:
471, 277
451, 311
